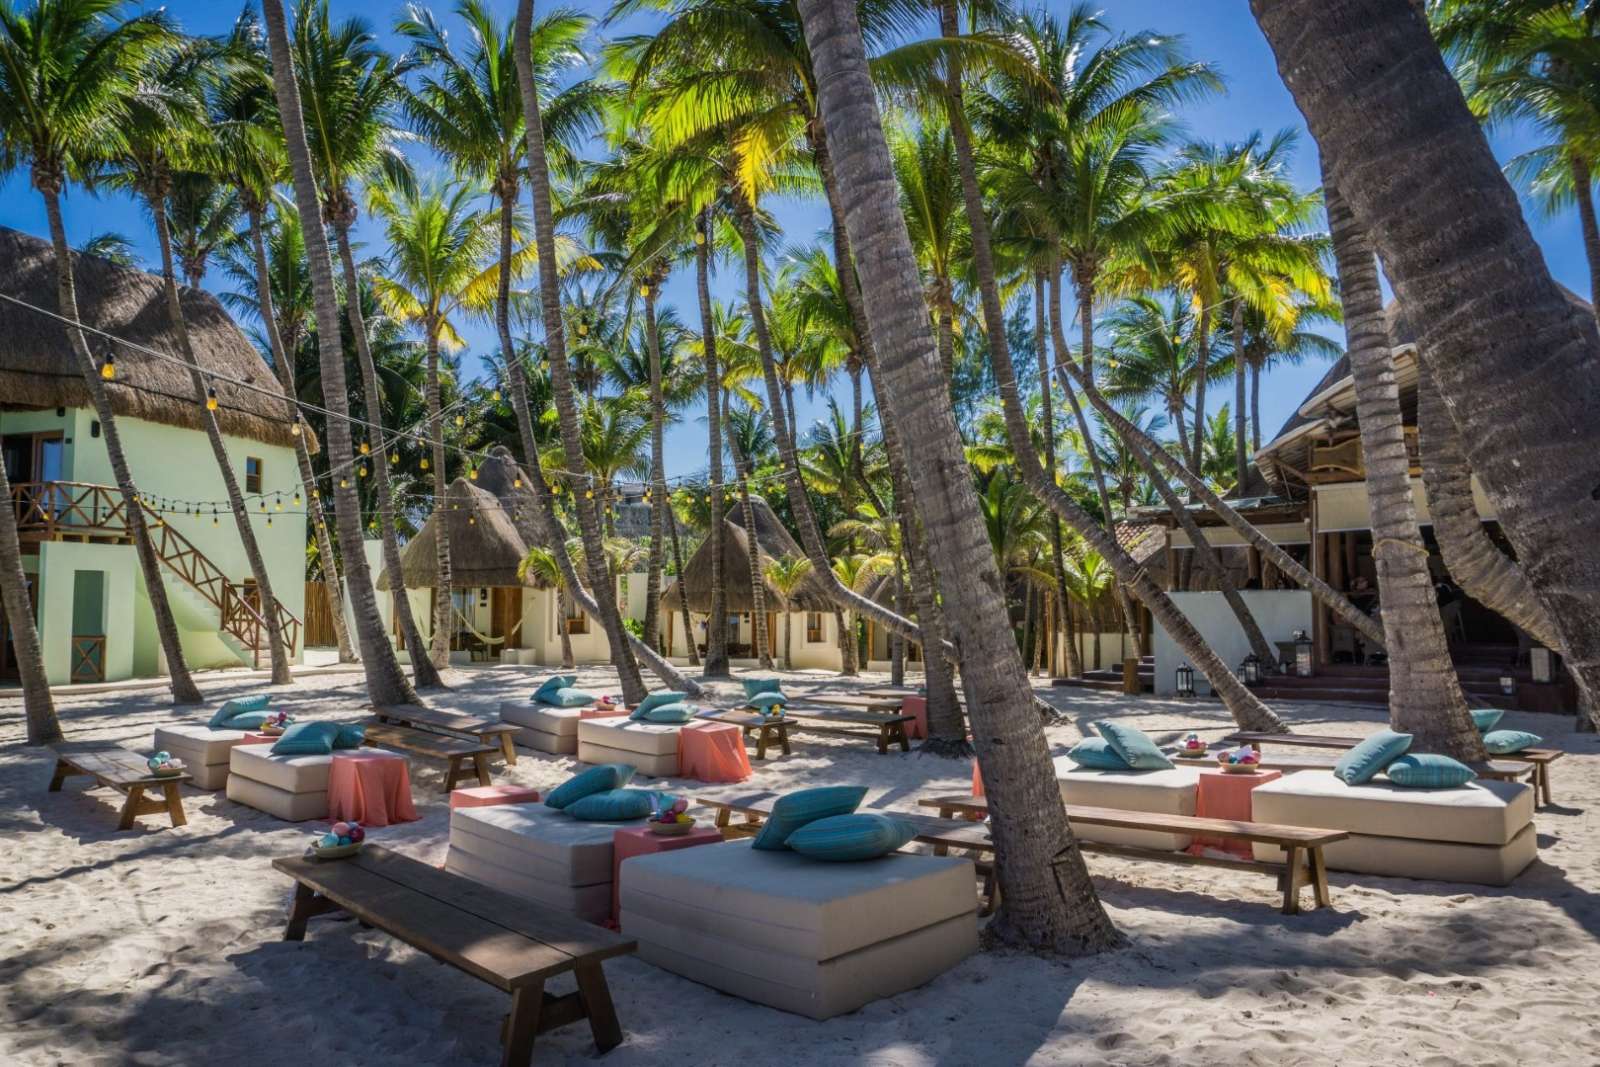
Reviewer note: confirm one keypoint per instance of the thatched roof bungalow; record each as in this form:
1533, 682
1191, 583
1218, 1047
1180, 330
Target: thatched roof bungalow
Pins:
773, 542
485, 548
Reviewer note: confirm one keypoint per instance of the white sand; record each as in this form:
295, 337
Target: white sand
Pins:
159, 946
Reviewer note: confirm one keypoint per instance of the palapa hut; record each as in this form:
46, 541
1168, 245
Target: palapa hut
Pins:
92, 611
816, 635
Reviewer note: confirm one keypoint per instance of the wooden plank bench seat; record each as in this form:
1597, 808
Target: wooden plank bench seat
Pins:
844, 722
876, 703
495, 937
127, 772
767, 728
454, 750
481, 728
1539, 758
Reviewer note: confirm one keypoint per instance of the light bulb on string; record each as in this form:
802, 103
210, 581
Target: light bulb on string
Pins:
424, 463
316, 494
516, 483
644, 291
362, 470
297, 499
277, 503
699, 237
344, 483
211, 398
394, 457
461, 420
494, 396
365, 448
472, 473
108, 369
213, 516
294, 428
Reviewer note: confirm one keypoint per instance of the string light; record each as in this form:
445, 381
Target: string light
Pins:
424, 463
516, 483
472, 473
394, 457
213, 516
461, 420
277, 503
365, 448
644, 291
108, 369
494, 396
344, 483
295, 428
297, 499
362, 470
211, 398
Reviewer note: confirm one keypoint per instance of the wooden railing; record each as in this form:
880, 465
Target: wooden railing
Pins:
54, 510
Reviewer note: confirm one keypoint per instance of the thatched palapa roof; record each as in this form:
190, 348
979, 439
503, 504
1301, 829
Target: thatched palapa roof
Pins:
774, 541
485, 548
39, 370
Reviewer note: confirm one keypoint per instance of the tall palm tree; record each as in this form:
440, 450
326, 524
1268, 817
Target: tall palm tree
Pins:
1152, 358
787, 574
1049, 902
38, 705
540, 563
69, 75
1411, 169
203, 215
386, 684
930, 196
747, 439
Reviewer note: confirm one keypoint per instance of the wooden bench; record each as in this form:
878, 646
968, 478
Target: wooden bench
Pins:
455, 751
766, 727
877, 703
503, 940
843, 722
1539, 758
1504, 772
123, 770
481, 728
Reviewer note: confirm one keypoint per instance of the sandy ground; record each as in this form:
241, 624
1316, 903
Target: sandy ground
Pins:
162, 946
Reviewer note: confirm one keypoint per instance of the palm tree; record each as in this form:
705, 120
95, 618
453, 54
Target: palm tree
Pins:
1089, 579
540, 563
110, 246
1152, 358
787, 574
386, 684
1403, 191
748, 438
930, 197
1049, 902
203, 215
69, 74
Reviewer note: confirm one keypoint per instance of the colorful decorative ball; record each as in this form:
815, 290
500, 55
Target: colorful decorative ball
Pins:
357, 834
329, 841
340, 829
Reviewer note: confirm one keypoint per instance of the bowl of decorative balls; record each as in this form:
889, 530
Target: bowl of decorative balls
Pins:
162, 765
671, 821
1192, 747
275, 724
1243, 760
343, 839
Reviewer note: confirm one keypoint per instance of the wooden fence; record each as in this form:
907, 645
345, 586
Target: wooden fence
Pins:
319, 617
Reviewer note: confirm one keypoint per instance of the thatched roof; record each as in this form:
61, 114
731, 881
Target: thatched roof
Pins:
485, 549
38, 369
774, 541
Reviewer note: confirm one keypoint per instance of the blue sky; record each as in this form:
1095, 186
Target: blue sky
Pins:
1221, 32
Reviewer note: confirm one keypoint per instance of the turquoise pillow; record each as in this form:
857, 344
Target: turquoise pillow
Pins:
844, 838
552, 683
306, 739
233, 707
1362, 763
567, 697
613, 805
350, 736
1507, 742
754, 687
245, 720
656, 700
1097, 754
671, 713
1426, 770
767, 701
1485, 718
804, 806
1134, 746
596, 779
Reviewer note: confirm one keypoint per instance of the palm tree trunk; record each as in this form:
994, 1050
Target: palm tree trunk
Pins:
1049, 903
1413, 164
1583, 189
1185, 453
683, 595
758, 585
1047, 417
788, 634
443, 583
386, 684
897, 645
1240, 462
1425, 697
604, 590
1202, 370
716, 665
658, 471
184, 690
423, 672
945, 313
279, 655
1255, 405
283, 361
564, 605
847, 649
37, 704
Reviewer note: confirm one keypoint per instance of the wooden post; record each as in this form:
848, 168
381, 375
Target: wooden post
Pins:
1336, 574
1319, 567
1253, 564
1349, 559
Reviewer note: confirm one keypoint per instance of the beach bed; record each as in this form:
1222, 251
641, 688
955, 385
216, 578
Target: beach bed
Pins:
493, 936
123, 770
1498, 770
455, 751
480, 728
1539, 758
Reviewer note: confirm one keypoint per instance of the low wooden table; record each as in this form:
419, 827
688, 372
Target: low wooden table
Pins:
766, 728
883, 704
455, 751
482, 728
125, 771
497, 938
886, 729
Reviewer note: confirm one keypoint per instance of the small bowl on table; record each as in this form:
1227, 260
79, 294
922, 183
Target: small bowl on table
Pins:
671, 829
1192, 753
167, 770
335, 852
1239, 768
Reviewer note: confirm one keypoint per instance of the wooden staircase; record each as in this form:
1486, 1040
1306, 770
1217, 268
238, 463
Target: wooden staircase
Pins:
1110, 678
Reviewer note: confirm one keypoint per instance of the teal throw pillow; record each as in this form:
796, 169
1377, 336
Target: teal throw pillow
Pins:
1508, 742
245, 720
1134, 746
767, 701
845, 838
1485, 718
1426, 770
350, 735
567, 697
754, 687
306, 739
671, 713
596, 779
794, 810
613, 805
656, 700
552, 683
1362, 763
1096, 754
233, 707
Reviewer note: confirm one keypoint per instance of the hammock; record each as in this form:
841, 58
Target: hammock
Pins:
481, 636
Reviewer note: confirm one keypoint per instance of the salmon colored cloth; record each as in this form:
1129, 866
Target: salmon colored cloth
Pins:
639, 841
977, 779
487, 796
373, 788
712, 752
917, 708
1226, 796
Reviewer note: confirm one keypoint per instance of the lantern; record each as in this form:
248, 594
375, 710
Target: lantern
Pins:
1250, 669
1508, 685
1185, 680
1302, 654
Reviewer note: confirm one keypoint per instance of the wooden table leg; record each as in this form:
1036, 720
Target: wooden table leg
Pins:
522, 1025
306, 904
509, 749
597, 1003
1291, 880
452, 773
883, 740
901, 735
1541, 780
764, 732
480, 762
783, 736
174, 803
1319, 878
62, 773
131, 806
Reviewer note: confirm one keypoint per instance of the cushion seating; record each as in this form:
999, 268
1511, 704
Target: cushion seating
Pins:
1483, 812
205, 752
652, 747
548, 729
1439, 861
538, 854
293, 774
813, 938
1166, 792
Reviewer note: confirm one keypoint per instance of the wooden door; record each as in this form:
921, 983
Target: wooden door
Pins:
9, 670
505, 613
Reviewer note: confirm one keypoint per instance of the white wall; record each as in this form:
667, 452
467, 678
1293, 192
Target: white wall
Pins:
1114, 647
804, 654
1279, 612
